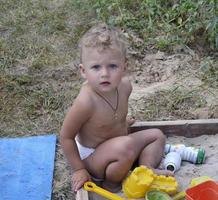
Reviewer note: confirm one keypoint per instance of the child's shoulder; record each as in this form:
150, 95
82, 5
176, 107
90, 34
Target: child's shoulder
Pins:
125, 80
126, 84
85, 96
82, 107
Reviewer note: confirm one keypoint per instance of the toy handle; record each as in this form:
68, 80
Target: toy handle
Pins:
92, 187
180, 195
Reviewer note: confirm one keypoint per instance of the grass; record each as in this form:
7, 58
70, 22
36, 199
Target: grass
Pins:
209, 72
39, 57
30, 31
172, 104
35, 36
183, 22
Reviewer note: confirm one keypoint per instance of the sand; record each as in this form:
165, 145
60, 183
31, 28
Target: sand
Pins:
188, 171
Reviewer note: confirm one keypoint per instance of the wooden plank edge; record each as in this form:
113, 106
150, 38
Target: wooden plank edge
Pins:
82, 195
187, 128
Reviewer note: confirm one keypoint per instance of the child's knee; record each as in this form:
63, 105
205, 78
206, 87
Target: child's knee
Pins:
159, 134
127, 152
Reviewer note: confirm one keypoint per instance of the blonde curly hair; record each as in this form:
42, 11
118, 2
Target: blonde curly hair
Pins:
102, 37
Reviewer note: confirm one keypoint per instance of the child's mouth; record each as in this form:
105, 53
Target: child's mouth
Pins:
105, 83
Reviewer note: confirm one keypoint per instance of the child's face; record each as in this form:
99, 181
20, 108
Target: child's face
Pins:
103, 69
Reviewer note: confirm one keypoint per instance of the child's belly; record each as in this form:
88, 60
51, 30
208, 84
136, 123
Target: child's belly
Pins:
92, 138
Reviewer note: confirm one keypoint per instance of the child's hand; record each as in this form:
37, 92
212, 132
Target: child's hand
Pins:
79, 177
130, 120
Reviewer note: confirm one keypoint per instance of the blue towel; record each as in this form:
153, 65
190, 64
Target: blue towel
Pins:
26, 167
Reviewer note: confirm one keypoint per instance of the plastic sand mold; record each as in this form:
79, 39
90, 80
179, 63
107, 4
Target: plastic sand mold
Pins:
157, 195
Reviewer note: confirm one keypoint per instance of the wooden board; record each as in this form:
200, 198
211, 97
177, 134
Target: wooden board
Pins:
187, 128
82, 195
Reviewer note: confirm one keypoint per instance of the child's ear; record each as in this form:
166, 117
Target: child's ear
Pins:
82, 70
125, 65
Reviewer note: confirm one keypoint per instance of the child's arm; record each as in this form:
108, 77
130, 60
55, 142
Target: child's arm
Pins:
127, 87
78, 114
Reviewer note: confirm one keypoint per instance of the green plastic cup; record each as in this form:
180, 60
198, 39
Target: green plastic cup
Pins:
157, 195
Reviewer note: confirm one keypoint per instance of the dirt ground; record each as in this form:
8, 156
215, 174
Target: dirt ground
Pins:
154, 77
165, 87
39, 83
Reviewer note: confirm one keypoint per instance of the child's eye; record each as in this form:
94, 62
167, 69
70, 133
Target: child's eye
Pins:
96, 67
113, 65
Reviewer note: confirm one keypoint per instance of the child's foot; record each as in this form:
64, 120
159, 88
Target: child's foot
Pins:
163, 172
112, 187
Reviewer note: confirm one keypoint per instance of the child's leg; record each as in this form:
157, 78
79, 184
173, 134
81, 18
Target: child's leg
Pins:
113, 159
152, 152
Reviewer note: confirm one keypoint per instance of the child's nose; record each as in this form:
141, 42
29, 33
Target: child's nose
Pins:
104, 71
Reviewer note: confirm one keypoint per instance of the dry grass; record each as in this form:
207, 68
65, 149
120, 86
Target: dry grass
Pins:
171, 104
38, 80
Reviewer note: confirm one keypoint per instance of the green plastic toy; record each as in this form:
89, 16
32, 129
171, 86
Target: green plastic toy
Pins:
157, 195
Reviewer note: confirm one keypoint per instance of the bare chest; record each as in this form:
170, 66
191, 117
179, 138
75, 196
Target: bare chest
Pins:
109, 115
106, 123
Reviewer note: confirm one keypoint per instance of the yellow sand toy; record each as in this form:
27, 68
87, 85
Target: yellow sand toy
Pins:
92, 187
150, 195
142, 180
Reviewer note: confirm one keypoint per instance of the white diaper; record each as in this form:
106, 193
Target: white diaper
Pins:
84, 152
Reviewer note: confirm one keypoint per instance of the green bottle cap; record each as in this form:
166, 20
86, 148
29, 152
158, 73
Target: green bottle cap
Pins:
200, 156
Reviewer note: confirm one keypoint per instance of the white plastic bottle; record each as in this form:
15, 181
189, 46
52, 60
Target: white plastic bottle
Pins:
172, 161
191, 154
